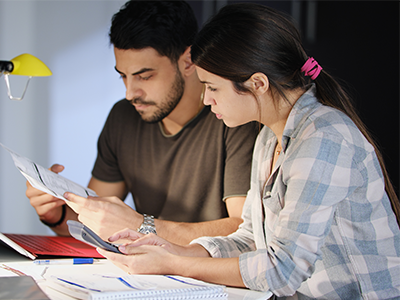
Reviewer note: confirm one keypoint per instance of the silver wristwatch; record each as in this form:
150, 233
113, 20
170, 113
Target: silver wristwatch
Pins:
147, 225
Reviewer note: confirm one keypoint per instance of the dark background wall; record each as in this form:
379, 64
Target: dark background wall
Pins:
358, 43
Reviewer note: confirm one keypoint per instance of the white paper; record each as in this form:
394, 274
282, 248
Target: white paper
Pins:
46, 180
100, 286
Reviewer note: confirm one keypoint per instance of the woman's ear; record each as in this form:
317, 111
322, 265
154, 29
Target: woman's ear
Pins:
185, 62
259, 83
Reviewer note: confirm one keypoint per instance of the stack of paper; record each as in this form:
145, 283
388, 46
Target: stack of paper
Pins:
112, 286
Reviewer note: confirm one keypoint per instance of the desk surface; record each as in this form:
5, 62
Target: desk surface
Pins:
11, 258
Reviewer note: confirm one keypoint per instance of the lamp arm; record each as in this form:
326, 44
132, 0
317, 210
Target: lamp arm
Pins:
9, 90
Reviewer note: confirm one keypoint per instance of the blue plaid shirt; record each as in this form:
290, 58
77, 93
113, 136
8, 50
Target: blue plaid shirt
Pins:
320, 225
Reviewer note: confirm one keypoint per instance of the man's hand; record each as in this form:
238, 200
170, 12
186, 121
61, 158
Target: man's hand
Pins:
105, 215
136, 239
47, 206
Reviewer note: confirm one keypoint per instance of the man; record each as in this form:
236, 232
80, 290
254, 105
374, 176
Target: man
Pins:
181, 164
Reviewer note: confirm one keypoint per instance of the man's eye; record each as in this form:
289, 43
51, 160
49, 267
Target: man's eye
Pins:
145, 78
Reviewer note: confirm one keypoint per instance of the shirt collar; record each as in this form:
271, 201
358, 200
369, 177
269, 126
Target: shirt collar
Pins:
303, 107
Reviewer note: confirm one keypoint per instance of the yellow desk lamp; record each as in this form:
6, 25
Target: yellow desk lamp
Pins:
25, 65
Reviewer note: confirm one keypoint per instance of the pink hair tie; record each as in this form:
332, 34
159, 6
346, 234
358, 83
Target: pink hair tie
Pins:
311, 68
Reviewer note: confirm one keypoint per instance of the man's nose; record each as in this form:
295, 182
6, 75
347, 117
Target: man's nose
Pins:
133, 91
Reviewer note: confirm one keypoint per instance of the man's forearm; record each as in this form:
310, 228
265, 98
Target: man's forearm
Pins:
183, 233
62, 229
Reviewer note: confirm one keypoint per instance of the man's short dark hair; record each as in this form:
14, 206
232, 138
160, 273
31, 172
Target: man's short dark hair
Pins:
167, 26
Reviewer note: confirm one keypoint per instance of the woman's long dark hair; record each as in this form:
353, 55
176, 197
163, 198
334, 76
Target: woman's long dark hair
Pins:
246, 38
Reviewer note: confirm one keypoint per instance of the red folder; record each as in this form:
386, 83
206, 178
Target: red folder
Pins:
34, 246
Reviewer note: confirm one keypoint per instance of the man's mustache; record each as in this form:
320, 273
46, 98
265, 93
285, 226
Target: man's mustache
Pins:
140, 101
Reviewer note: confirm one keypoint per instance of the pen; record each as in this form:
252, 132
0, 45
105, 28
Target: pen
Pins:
73, 261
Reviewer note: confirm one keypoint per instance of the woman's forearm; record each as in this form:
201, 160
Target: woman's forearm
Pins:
216, 270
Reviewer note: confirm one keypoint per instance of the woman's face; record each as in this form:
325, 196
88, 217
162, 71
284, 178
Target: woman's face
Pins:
233, 108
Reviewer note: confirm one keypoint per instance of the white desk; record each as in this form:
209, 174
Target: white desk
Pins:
16, 261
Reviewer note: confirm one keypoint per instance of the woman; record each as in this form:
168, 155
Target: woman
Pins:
319, 218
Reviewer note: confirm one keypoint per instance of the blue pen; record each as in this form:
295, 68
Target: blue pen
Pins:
72, 261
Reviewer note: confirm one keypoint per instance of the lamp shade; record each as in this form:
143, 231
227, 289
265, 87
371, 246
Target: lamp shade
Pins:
29, 65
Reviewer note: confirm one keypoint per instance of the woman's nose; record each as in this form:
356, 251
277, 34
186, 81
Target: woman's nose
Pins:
207, 99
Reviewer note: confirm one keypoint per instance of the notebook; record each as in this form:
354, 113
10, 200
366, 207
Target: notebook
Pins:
112, 286
34, 246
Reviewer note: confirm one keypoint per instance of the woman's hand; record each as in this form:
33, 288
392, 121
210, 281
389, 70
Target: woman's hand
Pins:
150, 254
146, 254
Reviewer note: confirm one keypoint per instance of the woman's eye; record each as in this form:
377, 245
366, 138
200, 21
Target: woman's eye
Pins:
211, 89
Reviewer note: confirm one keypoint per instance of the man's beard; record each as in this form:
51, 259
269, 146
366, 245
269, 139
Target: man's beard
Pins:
168, 105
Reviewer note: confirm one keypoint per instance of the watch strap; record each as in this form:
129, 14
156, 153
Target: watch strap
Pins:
148, 225
63, 214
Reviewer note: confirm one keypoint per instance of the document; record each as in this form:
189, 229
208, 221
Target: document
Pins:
46, 180
109, 286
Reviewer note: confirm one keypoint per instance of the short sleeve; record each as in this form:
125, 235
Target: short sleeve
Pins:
106, 165
239, 148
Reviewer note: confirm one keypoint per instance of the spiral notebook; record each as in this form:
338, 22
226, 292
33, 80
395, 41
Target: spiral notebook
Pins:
109, 286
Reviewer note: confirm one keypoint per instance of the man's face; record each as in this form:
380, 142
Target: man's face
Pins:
154, 85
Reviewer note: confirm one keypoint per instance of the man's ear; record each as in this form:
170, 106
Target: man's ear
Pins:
259, 83
186, 64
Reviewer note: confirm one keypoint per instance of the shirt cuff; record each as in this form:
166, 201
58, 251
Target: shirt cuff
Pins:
209, 245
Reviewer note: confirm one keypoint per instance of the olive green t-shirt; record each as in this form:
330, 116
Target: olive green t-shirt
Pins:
183, 177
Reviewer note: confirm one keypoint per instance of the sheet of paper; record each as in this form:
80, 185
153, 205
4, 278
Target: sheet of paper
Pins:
45, 180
